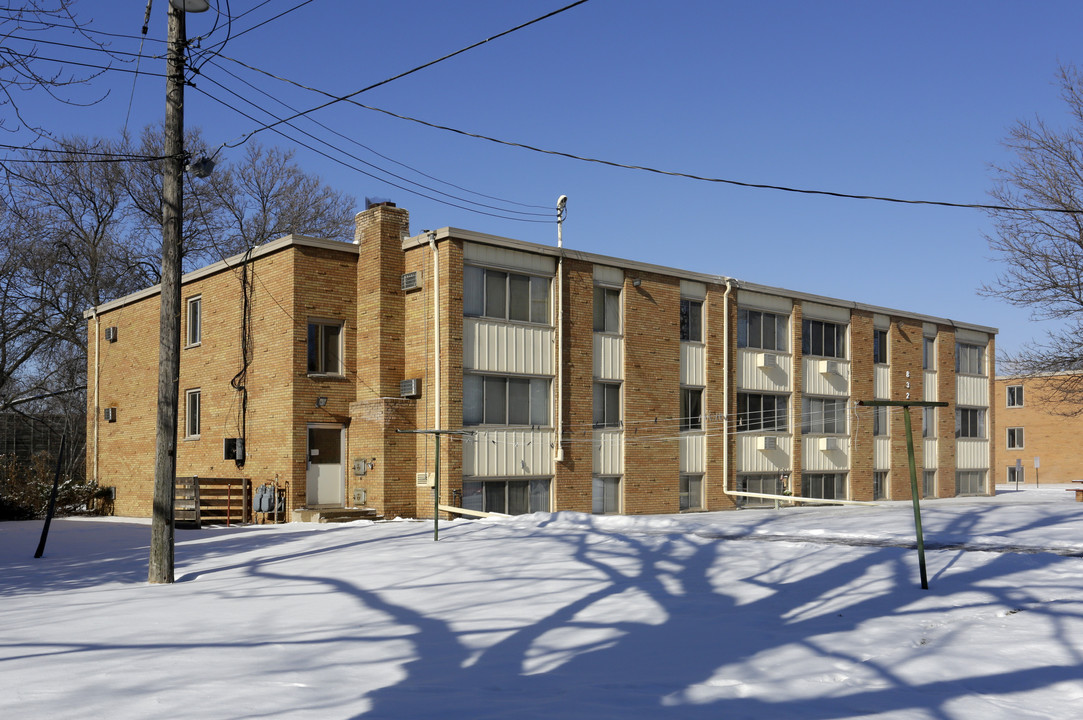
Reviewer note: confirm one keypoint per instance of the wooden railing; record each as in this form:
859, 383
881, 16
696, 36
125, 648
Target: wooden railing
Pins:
199, 501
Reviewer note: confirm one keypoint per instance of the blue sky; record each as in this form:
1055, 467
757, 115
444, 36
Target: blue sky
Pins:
908, 100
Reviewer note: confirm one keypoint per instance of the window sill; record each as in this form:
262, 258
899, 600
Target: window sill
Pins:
193, 345
190, 438
325, 376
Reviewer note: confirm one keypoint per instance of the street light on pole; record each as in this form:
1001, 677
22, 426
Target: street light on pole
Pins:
161, 564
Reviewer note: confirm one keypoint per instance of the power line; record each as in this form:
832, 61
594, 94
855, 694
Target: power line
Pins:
429, 64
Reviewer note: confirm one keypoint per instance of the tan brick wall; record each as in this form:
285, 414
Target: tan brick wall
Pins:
862, 387
1051, 437
572, 485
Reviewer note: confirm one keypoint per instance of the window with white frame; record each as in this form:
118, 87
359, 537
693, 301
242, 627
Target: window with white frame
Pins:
691, 320
691, 409
969, 359
823, 416
879, 485
823, 339
605, 495
826, 486
691, 492
762, 411
194, 336
1015, 438
501, 400
325, 347
1016, 474
928, 353
762, 330
508, 496
879, 421
764, 483
505, 295
606, 404
1015, 396
192, 402
969, 482
969, 422
606, 309
928, 483
879, 346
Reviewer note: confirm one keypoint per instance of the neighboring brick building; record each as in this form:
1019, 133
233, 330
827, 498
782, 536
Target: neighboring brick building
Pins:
1033, 434
677, 390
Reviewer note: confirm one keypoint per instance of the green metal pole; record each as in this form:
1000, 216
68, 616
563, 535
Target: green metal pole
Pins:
914, 497
436, 495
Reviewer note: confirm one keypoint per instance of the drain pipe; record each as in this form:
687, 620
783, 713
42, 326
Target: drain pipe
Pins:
97, 385
726, 425
562, 211
436, 329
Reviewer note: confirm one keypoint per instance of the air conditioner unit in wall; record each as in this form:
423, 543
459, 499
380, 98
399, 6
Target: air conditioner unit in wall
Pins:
768, 360
425, 479
410, 388
110, 414
829, 367
829, 444
111, 333
411, 281
768, 442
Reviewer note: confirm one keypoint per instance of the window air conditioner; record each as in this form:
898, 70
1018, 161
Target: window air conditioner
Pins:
110, 414
425, 479
411, 281
768, 442
829, 367
111, 333
768, 360
829, 444
410, 388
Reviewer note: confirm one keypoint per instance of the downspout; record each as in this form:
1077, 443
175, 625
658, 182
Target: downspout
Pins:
97, 385
436, 330
561, 212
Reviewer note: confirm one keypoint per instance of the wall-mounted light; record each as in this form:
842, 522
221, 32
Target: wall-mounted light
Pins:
637, 282
321, 401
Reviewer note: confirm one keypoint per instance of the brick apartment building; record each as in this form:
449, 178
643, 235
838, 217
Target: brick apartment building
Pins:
581, 382
1036, 444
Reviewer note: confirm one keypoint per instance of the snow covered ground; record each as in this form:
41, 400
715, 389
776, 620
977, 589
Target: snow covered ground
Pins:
795, 613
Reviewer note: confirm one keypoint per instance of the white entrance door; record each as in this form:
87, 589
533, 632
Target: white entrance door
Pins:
326, 481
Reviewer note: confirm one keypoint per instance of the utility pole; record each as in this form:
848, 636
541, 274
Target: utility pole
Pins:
165, 450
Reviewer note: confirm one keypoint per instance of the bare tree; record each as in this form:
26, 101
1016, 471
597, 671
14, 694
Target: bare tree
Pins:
1042, 249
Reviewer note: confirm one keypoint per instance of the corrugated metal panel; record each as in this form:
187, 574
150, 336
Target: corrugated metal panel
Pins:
608, 357
511, 452
881, 453
826, 383
693, 453
814, 459
929, 380
693, 364
752, 458
760, 301
971, 454
508, 259
491, 346
929, 450
830, 313
881, 382
693, 290
608, 452
605, 275
972, 391
752, 375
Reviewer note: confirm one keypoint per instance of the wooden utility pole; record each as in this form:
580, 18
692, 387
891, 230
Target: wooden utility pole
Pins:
165, 450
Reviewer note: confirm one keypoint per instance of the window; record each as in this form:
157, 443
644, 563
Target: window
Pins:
969, 359
691, 409
691, 320
195, 320
325, 348
823, 416
1016, 474
605, 495
969, 482
879, 485
762, 412
691, 491
826, 486
768, 484
879, 346
928, 422
879, 421
928, 354
606, 310
495, 400
825, 339
505, 296
928, 483
511, 497
1015, 396
191, 413
606, 405
1015, 438
969, 423
763, 330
